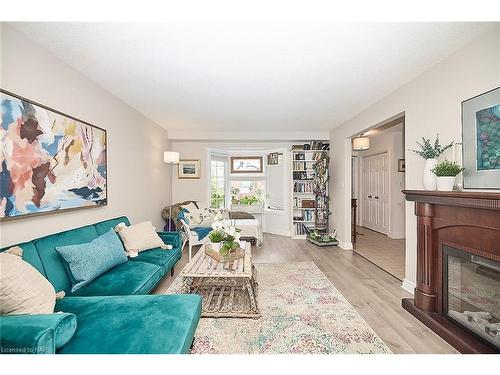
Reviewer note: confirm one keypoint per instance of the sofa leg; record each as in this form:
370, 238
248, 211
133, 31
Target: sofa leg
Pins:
192, 344
172, 272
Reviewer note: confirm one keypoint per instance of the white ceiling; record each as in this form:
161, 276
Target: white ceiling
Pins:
251, 76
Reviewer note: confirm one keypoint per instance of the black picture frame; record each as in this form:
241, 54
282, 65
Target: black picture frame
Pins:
401, 165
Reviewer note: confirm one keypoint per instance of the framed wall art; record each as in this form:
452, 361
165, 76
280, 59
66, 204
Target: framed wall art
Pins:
189, 169
50, 161
401, 165
246, 164
481, 141
274, 158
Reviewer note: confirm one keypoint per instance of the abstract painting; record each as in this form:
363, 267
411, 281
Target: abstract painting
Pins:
481, 141
49, 161
488, 138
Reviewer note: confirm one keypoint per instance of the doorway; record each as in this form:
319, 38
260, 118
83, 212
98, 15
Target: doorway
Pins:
378, 181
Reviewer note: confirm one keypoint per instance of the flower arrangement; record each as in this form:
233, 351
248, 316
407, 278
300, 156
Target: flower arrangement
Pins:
429, 151
447, 168
226, 235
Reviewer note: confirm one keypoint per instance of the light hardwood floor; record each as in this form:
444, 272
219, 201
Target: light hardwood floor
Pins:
374, 293
385, 252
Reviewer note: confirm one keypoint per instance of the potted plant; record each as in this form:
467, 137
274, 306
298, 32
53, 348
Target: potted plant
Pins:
224, 237
446, 172
216, 237
430, 153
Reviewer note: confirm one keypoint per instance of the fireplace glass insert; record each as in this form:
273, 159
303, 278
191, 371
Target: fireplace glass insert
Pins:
471, 293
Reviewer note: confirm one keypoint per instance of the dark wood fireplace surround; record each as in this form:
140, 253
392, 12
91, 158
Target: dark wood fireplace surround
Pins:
469, 221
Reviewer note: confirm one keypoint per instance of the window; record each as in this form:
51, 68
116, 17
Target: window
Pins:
218, 166
247, 191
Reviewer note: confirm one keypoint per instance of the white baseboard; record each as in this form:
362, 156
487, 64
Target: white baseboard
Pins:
345, 245
397, 235
285, 233
408, 286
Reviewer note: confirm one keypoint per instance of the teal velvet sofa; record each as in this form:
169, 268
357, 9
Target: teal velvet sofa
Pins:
113, 313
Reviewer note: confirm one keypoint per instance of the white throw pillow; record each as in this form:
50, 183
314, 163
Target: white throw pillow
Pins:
23, 290
139, 237
200, 218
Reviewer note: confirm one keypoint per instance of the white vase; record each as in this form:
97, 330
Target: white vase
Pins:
429, 178
445, 183
215, 246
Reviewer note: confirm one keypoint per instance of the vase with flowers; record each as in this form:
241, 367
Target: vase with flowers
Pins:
224, 240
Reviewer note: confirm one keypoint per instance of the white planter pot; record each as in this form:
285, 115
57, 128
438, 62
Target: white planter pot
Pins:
216, 246
445, 183
429, 178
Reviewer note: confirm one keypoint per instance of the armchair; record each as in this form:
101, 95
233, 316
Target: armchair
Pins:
191, 237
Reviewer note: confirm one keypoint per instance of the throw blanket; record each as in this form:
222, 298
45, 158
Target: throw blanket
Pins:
202, 232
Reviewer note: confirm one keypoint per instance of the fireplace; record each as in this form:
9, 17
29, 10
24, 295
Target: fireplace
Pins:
457, 291
471, 293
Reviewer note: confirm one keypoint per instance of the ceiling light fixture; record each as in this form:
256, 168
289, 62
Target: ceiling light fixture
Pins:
361, 144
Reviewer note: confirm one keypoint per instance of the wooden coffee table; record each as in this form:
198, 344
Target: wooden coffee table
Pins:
228, 289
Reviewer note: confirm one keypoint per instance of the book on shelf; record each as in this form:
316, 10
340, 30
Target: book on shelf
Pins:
311, 146
302, 187
303, 175
302, 229
301, 166
304, 215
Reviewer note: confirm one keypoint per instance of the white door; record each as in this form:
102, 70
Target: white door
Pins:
374, 196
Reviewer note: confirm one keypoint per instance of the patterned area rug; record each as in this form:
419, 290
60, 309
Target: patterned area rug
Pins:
302, 312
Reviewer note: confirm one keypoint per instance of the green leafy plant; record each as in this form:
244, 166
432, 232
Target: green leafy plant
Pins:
447, 168
217, 196
217, 235
228, 246
429, 151
226, 234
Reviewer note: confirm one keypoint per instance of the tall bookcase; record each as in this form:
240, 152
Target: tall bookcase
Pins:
310, 201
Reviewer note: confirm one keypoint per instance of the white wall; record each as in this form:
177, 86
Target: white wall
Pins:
431, 104
389, 141
137, 177
274, 222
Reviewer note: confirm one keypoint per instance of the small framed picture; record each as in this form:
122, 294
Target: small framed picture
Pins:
401, 165
189, 169
246, 164
273, 158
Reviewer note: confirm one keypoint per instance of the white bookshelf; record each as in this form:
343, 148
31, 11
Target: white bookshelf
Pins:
300, 215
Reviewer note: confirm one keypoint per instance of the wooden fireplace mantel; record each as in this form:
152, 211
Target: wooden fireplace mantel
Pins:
485, 200
469, 221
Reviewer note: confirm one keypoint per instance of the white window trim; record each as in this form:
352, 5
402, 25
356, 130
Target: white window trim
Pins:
227, 186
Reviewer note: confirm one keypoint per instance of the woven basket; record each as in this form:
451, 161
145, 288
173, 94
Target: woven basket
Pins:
232, 256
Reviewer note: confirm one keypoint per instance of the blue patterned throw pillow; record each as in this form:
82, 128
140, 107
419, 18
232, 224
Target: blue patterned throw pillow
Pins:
86, 261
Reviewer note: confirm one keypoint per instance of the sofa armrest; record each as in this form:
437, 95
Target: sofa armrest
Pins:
171, 238
35, 334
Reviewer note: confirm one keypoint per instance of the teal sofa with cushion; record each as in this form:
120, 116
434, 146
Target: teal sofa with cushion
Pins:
111, 314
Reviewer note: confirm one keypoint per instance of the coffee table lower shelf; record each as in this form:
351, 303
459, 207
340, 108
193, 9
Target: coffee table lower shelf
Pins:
225, 298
